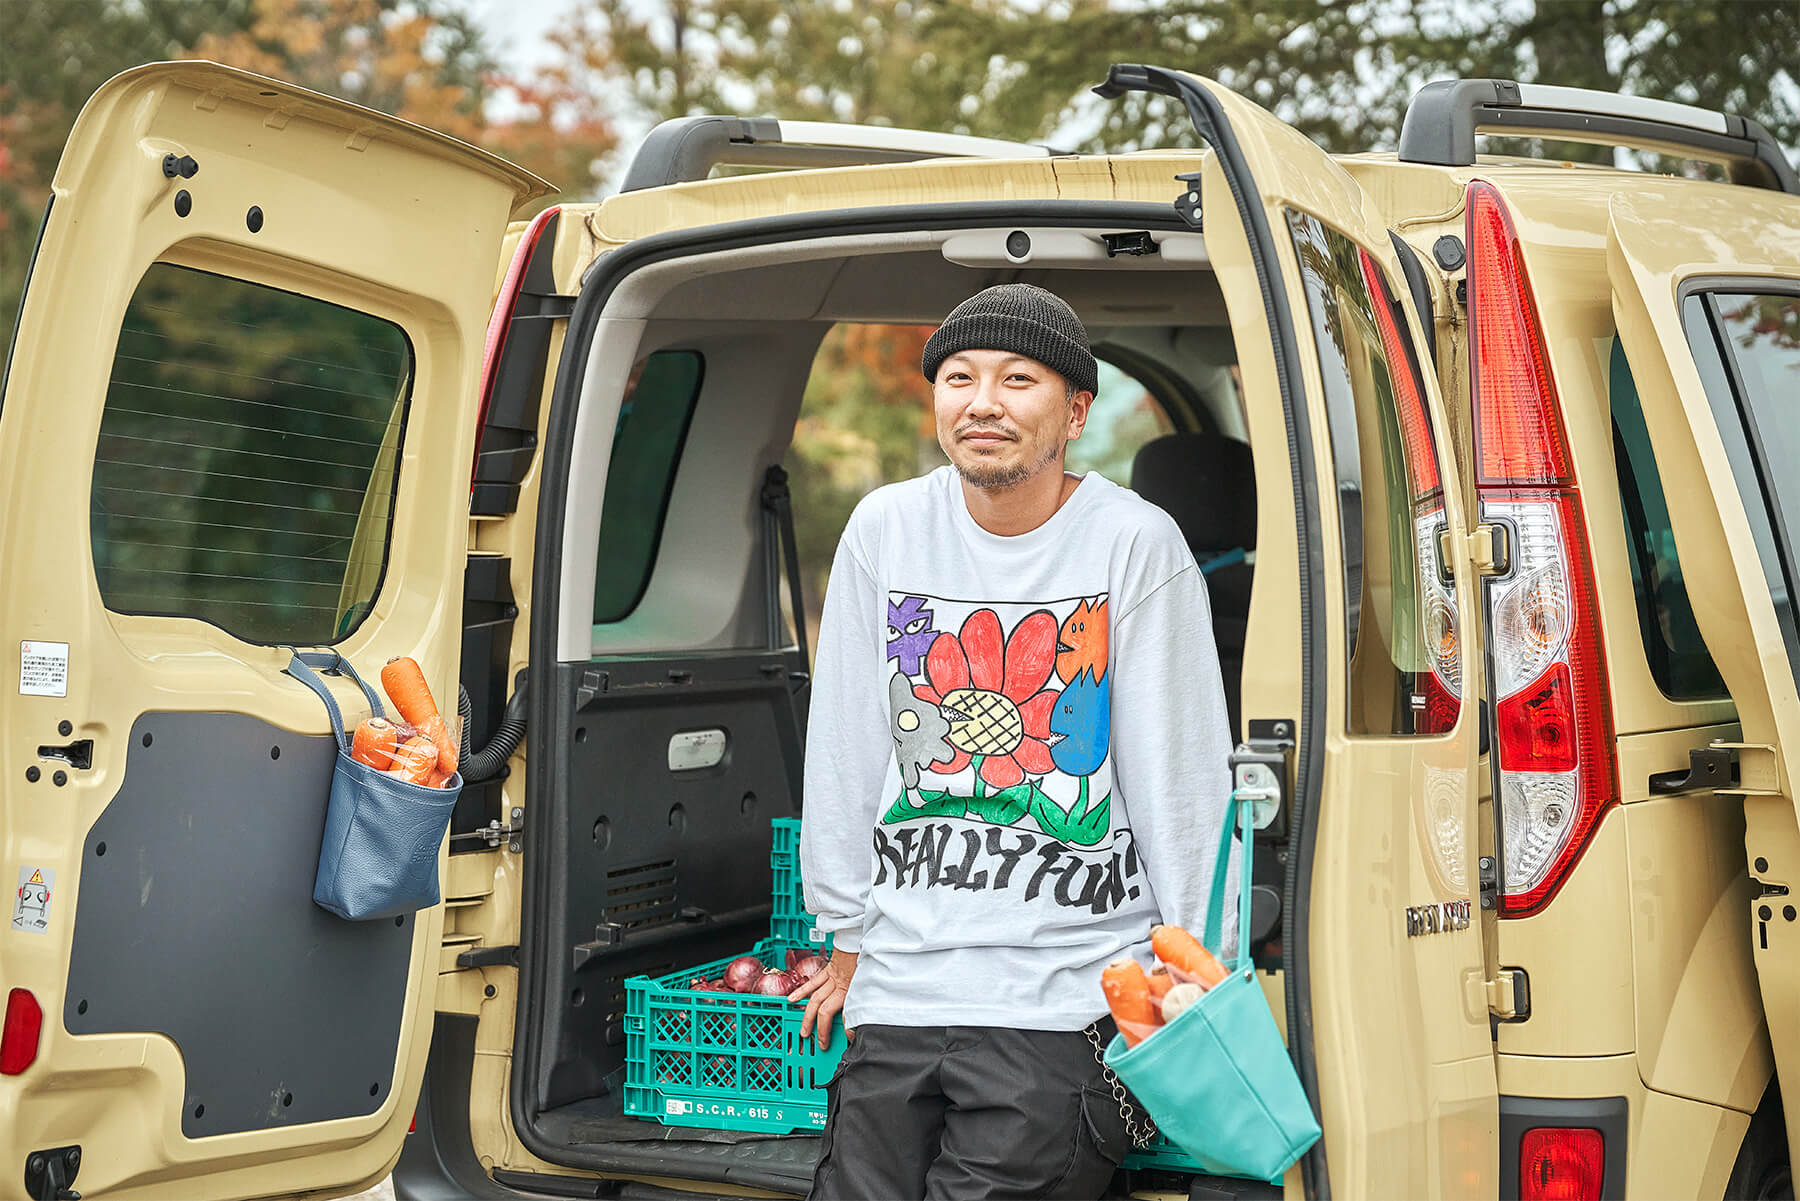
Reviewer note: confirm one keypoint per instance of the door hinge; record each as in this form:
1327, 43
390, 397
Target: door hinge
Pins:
1509, 995
493, 834
49, 1173
1187, 205
1489, 546
1488, 877
1759, 769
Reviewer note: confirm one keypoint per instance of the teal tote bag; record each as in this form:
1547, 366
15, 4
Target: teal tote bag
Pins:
1217, 1079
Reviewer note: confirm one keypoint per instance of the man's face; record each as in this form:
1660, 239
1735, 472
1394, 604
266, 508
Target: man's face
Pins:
1002, 417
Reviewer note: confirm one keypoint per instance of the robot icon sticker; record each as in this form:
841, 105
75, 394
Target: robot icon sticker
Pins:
31, 906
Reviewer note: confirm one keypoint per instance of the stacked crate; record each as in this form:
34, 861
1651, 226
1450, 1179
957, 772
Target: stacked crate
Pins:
732, 1061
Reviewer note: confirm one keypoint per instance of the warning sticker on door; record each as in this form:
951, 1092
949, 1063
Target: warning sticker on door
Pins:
43, 669
31, 907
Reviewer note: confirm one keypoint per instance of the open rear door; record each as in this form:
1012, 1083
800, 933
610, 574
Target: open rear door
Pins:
239, 415
1381, 935
1707, 297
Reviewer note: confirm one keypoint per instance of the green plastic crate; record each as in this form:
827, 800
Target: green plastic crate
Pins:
724, 1061
789, 919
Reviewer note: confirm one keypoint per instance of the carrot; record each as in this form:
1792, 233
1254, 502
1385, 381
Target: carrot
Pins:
1160, 983
1182, 951
1128, 996
374, 743
415, 759
406, 687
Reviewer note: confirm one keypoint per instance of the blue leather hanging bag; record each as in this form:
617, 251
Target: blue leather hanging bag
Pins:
379, 856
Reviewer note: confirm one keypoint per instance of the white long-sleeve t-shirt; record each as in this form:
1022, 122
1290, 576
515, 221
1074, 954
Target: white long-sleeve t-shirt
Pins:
1017, 755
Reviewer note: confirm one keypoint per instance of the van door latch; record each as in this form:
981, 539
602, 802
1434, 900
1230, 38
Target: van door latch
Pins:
78, 755
1259, 773
1509, 995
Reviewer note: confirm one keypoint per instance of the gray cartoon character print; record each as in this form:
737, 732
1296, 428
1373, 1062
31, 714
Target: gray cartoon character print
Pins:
918, 728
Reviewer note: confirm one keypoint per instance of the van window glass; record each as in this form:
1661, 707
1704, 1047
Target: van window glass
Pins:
245, 468
1401, 621
1747, 347
652, 426
1124, 416
1678, 658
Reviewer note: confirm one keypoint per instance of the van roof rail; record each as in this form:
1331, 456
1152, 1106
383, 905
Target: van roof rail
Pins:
1444, 117
688, 148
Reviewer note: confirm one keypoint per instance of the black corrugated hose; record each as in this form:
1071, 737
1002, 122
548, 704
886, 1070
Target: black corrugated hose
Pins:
488, 762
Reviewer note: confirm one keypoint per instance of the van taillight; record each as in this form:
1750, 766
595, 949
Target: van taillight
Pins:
505, 306
1556, 772
1561, 1164
19, 1037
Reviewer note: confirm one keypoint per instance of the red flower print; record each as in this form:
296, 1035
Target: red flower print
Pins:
992, 692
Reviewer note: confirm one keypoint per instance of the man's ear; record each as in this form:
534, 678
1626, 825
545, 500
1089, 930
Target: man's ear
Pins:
1078, 415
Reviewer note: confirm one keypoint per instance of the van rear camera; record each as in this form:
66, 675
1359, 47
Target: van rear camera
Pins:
1018, 246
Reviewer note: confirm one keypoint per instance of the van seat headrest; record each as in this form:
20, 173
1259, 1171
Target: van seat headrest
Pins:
1207, 483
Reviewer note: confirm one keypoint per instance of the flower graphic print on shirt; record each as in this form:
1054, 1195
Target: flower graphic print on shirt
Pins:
1004, 716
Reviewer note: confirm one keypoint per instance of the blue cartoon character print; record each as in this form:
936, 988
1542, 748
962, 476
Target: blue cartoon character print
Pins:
909, 633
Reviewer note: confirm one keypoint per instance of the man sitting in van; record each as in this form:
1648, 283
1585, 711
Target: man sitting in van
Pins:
1018, 703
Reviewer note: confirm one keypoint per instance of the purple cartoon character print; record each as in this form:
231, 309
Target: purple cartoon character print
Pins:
909, 633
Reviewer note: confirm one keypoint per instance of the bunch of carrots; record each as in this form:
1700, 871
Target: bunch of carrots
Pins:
1143, 1002
420, 750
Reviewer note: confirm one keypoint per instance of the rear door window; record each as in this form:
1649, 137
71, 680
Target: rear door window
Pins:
1746, 344
1678, 658
246, 463
1402, 625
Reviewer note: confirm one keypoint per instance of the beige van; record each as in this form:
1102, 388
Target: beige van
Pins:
1499, 455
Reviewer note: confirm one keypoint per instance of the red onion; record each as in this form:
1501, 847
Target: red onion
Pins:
794, 955
806, 967
742, 973
774, 984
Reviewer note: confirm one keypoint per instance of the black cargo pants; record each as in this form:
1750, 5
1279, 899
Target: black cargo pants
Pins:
969, 1111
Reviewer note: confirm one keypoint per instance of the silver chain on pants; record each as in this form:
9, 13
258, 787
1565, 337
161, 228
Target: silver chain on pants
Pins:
1141, 1132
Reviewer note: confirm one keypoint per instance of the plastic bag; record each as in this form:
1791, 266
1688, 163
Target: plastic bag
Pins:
403, 750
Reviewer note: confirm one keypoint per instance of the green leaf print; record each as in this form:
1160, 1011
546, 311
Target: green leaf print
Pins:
1079, 825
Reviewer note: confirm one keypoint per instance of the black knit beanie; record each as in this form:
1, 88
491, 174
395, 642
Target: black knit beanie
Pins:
1024, 319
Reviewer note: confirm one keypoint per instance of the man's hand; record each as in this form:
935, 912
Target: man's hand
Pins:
824, 996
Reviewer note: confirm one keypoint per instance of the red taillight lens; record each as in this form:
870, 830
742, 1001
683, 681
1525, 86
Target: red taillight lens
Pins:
19, 1039
1557, 772
1440, 707
1537, 724
505, 305
1560, 1164
1518, 433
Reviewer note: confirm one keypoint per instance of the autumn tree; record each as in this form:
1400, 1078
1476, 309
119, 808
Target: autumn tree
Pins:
53, 54
424, 60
